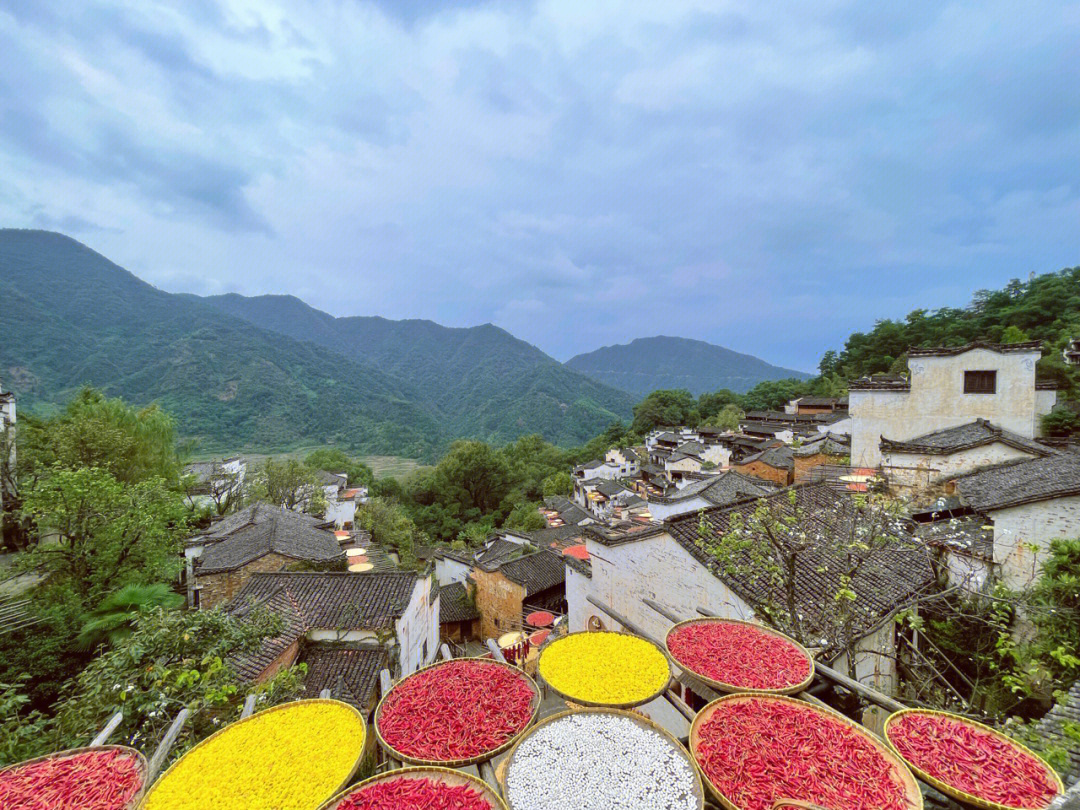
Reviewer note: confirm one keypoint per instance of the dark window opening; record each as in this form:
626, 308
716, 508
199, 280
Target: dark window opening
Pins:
980, 382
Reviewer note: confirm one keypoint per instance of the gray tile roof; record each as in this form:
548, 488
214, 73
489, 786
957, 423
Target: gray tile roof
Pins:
949, 351
962, 437
888, 580
610, 488
1021, 482
536, 572
583, 567
350, 671
569, 511
262, 529
826, 443
455, 605
781, 458
1053, 729
335, 601
498, 551
881, 382
668, 437
969, 535
719, 490
542, 538
250, 664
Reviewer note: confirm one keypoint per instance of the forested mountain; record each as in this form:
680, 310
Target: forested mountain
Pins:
70, 317
1045, 307
482, 381
648, 364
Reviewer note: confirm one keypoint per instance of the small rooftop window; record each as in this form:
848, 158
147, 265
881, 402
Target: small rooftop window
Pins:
980, 382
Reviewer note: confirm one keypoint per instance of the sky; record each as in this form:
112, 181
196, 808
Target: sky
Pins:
765, 176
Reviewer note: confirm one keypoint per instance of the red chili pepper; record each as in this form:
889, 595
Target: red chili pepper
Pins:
455, 711
739, 654
758, 750
95, 780
972, 759
404, 793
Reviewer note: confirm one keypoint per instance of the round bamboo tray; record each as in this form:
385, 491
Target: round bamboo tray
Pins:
949, 790
444, 775
595, 704
792, 804
699, 791
459, 763
911, 788
730, 687
140, 762
282, 707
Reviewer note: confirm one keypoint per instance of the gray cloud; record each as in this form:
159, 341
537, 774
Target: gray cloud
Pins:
765, 176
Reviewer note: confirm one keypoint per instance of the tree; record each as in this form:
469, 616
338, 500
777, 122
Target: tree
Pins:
1014, 334
334, 460
391, 527
525, 517
1061, 421
727, 418
562, 483
771, 395
172, 660
289, 483
114, 619
108, 534
783, 539
664, 408
475, 474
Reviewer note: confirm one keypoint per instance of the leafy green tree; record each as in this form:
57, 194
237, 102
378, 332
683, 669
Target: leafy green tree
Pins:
289, 483
1057, 593
525, 517
770, 395
561, 483
114, 619
664, 408
1061, 421
172, 660
727, 418
333, 459
389, 525
107, 534
475, 475
1014, 334
22, 729
710, 404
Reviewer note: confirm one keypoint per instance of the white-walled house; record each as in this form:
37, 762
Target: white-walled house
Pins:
666, 564
397, 610
718, 490
625, 459
7, 420
1029, 504
217, 485
948, 387
922, 462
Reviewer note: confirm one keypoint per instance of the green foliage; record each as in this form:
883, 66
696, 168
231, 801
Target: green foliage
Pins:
561, 483
1057, 595
389, 524
727, 418
172, 660
289, 483
1061, 421
773, 394
335, 460
525, 517
665, 408
114, 618
22, 730
107, 534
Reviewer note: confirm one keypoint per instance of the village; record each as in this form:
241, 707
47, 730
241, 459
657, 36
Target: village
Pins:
908, 489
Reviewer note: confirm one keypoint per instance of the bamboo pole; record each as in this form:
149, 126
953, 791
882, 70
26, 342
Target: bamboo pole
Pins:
166, 744
249, 707
110, 727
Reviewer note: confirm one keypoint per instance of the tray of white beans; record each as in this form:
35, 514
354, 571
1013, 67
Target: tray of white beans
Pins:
601, 759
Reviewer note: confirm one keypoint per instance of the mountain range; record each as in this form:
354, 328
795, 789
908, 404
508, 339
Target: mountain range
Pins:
270, 372
647, 364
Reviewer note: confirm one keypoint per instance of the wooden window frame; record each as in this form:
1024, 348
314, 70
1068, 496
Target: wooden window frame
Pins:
975, 381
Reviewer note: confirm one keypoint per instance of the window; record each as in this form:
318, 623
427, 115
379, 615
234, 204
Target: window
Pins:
980, 382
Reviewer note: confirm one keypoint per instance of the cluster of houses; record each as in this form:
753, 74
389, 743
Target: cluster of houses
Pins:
7, 467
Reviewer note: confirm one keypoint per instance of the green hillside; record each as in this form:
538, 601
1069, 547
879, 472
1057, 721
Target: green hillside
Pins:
650, 364
69, 317
483, 382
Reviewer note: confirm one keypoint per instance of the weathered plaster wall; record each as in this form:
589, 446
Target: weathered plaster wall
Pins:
499, 601
662, 511
1022, 535
916, 472
937, 400
418, 628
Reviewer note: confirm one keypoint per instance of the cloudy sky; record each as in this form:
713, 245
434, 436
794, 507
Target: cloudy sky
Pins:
768, 176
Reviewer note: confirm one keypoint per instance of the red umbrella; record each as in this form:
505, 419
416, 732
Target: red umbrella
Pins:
540, 618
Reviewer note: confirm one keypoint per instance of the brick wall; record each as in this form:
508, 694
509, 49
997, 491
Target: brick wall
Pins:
218, 588
803, 464
286, 659
757, 469
499, 601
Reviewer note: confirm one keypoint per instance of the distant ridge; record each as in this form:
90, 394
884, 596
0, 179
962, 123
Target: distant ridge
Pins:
646, 364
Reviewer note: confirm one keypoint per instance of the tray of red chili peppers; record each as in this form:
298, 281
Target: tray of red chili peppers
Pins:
456, 713
756, 749
102, 777
737, 656
792, 804
418, 789
970, 762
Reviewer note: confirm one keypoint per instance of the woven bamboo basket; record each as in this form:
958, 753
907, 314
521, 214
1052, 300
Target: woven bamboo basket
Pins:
459, 763
699, 790
949, 790
912, 793
140, 762
280, 708
594, 704
729, 687
445, 775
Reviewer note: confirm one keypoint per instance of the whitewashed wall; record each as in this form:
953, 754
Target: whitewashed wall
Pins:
448, 570
418, 624
663, 511
577, 609
916, 470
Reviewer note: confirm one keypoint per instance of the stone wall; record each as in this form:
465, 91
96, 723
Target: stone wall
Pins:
499, 601
217, 588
